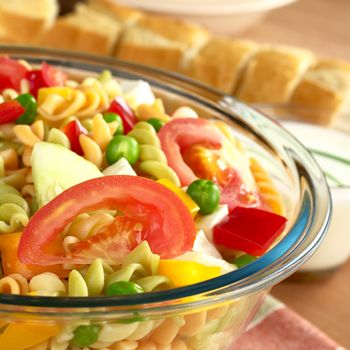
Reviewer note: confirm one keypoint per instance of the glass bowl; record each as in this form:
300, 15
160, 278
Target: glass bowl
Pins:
208, 315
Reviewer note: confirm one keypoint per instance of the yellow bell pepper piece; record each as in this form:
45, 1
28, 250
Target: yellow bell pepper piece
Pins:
20, 336
65, 92
11, 264
182, 273
190, 204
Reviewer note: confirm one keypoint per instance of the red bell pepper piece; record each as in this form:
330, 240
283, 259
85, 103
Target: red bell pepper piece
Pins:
45, 77
120, 107
250, 230
10, 111
73, 130
11, 73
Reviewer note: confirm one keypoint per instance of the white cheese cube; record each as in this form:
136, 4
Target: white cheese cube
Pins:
137, 92
121, 167
207, 222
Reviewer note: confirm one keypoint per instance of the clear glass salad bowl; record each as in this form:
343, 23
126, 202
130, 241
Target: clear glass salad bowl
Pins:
207, 315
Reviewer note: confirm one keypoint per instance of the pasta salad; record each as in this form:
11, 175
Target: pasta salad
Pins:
104, 192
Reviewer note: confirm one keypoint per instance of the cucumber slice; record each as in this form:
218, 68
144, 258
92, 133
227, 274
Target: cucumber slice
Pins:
56, 168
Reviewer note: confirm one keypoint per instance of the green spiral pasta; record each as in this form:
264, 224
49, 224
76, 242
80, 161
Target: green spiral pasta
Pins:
14, 210
141, 267
152, 159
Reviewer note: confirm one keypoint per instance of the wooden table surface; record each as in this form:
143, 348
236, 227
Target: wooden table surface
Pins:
324, 27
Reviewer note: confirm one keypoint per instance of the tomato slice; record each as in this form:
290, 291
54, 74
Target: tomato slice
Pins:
151, 212
10, 111
235, 194
11, 73
180, 134
45, 77
250, 230
207, 163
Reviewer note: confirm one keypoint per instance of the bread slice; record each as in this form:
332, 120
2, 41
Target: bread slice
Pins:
220, 62
6, 38
24, 21
273, 73
322, 93
144, 46
329, 63
126, 16
84, 30
162, 42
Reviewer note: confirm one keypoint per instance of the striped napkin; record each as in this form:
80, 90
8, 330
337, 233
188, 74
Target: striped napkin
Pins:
277, 327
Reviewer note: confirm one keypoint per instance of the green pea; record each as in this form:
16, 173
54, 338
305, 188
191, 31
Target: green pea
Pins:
123, 288
206, 195
122, 147
156, 123
244, 259
29, 103
111, 117
85, 335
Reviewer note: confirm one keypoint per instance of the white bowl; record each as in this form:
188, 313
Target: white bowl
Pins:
329, 146
220, 16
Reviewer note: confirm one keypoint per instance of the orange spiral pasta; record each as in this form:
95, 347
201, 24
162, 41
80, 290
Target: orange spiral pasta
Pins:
267, 189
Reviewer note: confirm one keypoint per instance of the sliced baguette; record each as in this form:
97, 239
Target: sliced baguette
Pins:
328, 63
273, 73
123, 14
220, 62
322, 94
84, 30
24, 21
144, 46
162, 42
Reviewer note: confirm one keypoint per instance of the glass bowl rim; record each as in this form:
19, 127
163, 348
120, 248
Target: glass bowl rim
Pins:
252, 282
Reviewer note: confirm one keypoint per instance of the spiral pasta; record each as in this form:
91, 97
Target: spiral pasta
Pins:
15, 178
14, 210
152, 160
106, 82
156, 110
14, 284
267, 189
86, 225
47, 283
56, 104
141, 267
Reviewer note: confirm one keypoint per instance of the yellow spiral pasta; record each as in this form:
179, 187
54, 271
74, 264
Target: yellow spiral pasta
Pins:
156, 110
267, 189
152, 160
14, 210
58, 103
106, 82
14, 284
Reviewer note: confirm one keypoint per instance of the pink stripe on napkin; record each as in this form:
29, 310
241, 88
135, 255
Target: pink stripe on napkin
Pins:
278, 327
